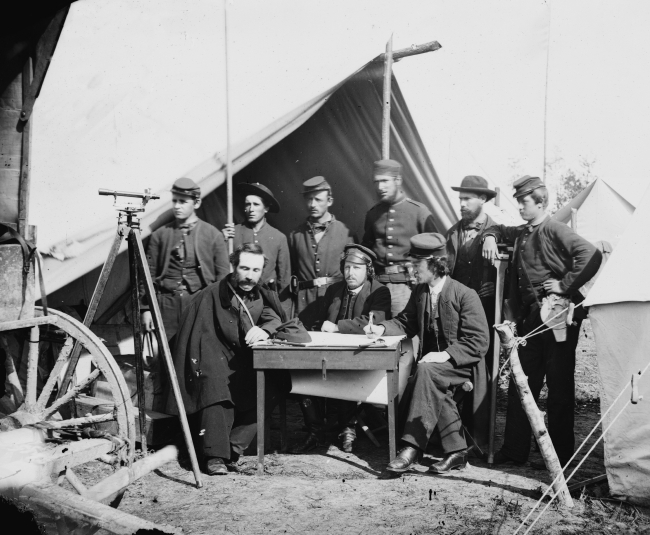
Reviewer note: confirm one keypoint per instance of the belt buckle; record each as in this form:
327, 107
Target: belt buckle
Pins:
320, 281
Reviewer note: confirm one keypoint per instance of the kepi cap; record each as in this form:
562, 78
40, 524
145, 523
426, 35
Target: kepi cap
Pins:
387, 168
428, 245
358, 254
317, 183
526, 185
260, 190
186, 186
475, 184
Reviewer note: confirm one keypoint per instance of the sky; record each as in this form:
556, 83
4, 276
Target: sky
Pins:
479, 102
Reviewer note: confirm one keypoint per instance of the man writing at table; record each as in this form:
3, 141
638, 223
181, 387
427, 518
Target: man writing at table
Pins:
454, 336
345, 308
213, 358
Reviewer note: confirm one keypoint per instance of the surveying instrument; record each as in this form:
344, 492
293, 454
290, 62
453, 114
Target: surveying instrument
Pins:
128, 227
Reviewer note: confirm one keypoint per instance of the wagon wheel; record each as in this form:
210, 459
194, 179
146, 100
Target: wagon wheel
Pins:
42, 410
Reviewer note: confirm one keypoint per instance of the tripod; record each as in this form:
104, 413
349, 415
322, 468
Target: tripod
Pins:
128, 227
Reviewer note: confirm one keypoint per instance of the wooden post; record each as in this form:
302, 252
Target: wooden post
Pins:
231, 241
413, 50
500, 264
23, 197
535, 417
574, 219
385, 125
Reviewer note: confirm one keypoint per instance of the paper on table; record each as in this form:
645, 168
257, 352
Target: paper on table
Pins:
347, 340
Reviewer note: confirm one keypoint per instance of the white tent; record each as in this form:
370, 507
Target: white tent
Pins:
135, 98
620, 317
603, 213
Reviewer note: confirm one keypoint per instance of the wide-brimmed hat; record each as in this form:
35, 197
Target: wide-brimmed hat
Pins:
475, 184
260, 190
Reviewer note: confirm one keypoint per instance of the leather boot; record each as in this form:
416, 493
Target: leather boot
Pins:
315, 427
406, 457
452, 461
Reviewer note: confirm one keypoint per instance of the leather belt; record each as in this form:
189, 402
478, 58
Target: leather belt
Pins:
316, 283
391, 270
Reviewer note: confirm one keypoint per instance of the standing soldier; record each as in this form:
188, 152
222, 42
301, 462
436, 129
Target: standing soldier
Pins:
184, 257
467, 266
388, 228
549, 259
316, 247
255, 229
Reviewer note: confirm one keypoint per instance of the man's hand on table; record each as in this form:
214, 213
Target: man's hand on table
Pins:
329, 327
434, 356
373, 331
256, 334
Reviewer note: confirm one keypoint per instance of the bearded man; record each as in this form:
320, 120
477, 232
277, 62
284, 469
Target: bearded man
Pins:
213, 359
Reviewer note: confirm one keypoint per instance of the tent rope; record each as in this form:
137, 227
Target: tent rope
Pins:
641, 373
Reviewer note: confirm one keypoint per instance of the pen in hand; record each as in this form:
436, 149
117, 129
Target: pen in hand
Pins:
370, 334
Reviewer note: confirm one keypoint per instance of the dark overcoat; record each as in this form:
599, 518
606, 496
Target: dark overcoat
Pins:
466, 332
211, 363
374, 297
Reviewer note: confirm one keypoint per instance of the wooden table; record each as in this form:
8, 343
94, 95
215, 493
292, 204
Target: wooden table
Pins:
324, 359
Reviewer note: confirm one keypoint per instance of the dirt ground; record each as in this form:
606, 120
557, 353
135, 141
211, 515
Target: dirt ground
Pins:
328, 491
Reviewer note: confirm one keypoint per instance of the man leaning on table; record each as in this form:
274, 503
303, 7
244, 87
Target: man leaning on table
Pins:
345, 308
450, 321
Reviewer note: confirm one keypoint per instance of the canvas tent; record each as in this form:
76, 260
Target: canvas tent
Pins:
620, 316
603, 213
126, 105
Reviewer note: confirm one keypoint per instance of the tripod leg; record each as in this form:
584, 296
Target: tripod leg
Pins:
164, 347
92, 308
137, 342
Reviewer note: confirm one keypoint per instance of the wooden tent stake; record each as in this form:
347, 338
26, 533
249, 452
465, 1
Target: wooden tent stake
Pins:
535, 417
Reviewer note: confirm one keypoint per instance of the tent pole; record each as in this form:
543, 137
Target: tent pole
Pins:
385, 126
574, 220
228, 155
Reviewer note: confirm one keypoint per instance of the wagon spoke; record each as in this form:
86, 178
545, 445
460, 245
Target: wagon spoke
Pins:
54, 375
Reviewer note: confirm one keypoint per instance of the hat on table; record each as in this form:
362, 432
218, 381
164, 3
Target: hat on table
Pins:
260, 190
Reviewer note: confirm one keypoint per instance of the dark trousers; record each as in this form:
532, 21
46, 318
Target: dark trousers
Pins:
314, 409
428, 403
171, 309
222, 426
543, 356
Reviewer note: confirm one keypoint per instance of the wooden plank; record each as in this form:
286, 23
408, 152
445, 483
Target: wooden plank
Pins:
17, 296
25, 159
261, 402
308, 359
66, 503
22, 324
414, 50
44, 52
10, 150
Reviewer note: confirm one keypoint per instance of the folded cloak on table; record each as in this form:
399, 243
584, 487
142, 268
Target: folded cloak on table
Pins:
209, 360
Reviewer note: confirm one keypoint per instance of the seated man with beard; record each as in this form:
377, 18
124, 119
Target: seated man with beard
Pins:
345, 308
213, 358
